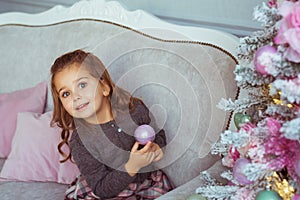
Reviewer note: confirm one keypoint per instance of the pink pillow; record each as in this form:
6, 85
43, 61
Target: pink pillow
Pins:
27, 100
34, 155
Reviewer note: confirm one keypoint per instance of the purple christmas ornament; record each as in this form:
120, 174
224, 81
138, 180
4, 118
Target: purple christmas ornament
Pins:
238, 174
263, 59
144, 133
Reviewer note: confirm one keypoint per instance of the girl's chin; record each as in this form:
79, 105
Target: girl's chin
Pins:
89, 119
82, 115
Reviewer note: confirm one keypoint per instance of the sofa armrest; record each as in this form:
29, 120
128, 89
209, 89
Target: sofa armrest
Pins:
187, 189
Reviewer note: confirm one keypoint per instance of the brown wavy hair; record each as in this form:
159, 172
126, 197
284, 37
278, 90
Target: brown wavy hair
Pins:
119, 98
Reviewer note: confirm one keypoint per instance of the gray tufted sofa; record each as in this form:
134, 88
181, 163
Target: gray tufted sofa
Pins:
181, 73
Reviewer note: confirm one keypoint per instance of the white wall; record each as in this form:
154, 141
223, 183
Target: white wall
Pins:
233, 16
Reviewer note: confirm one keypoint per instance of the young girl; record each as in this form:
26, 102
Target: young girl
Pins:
102, 118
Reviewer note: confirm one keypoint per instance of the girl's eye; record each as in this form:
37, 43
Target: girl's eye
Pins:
65, 94
82, 85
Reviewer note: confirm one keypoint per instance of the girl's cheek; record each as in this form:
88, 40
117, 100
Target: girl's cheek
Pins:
67, 105
70, 106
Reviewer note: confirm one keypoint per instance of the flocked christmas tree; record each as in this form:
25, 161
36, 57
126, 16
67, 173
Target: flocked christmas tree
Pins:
263, 154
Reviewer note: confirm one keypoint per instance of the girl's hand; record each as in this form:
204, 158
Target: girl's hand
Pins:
157, 151
139, 158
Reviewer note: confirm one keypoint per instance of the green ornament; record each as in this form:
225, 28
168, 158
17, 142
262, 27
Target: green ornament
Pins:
195, 197
268, 195
240, 119
245, 119
237, 119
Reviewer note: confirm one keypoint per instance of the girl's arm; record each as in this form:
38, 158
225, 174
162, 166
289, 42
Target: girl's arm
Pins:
105, 182
160, 138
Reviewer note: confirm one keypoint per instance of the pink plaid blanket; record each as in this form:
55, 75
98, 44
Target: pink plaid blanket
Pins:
153, 187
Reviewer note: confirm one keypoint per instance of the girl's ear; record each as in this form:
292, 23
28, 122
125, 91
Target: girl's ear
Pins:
105, 93
105, 88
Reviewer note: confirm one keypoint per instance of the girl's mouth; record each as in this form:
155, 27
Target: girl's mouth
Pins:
82, 107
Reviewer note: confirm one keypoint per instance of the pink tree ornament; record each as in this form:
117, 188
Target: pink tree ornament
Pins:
238, 173
289, 30
263, 59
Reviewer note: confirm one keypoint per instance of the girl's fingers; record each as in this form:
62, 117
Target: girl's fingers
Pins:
158, 157
135, 147
146, 147
150, 156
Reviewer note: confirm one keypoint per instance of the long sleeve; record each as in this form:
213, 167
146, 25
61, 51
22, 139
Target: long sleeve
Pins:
160, 138
104, 181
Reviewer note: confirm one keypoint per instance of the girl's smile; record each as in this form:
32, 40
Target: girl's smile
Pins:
82, 107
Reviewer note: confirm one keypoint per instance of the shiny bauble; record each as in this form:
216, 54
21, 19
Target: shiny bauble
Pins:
238, 173
195, 197
240, 119
267, 195
263, 59
144, 134
237, 119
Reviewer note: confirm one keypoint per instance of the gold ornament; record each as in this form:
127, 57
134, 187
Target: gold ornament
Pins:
281, 186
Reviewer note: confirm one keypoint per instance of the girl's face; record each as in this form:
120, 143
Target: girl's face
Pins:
82, 95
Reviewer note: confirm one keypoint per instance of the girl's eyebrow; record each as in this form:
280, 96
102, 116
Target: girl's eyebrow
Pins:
75, 81
79, 79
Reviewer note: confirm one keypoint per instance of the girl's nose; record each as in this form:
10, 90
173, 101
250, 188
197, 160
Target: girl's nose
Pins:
76, 96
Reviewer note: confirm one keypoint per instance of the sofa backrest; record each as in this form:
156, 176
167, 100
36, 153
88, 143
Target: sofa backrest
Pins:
181, 81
